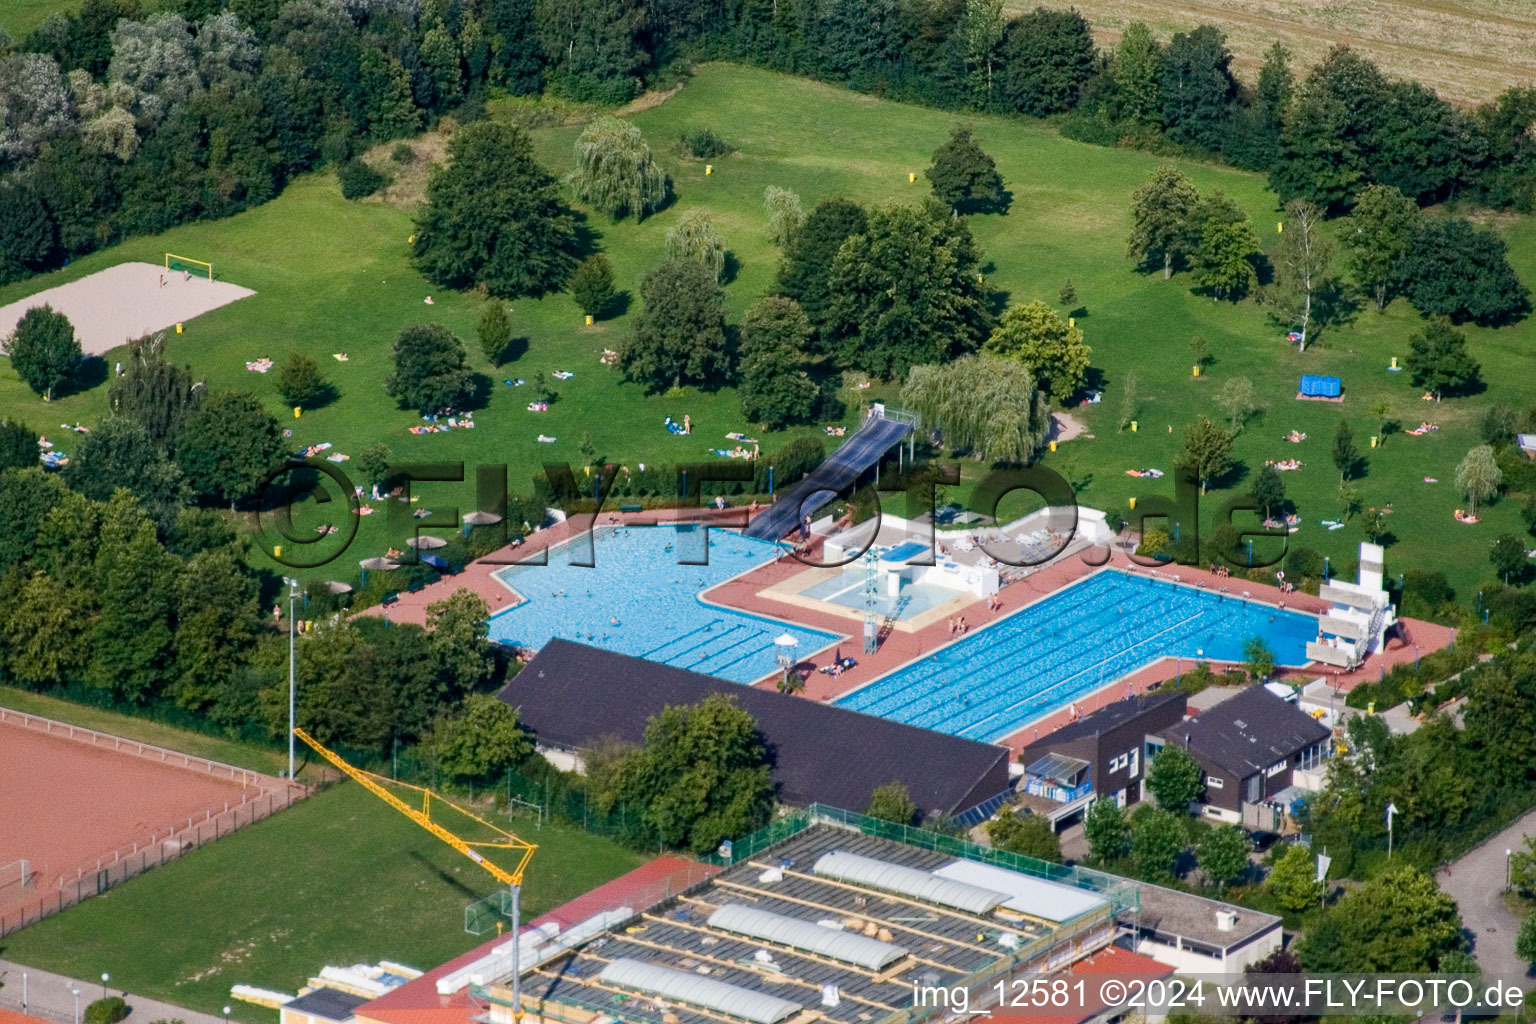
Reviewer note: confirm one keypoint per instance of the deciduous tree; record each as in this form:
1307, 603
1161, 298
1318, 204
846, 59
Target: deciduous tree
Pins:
592, 285
1037, 336
1478, 476
694, 238
1029, 835
807, 268
229, 446
155, 392
431, 370
120, 453
1293, 880
479, 740
18, 445
1162, 209
1378, 235
1438, 360
983, 405
964, 177
43, 350
1206, 451
1107, 831
299, 380
1301, 267
1346, 456
1047, 57
1175, 778
1455, 269
1223, 854
1138, 71
615, 171
1237, 396
1197, 87
1157, 840
493, 216
892, 802
595, 56
1398, 921
1269, 491
494, 328
775, 389
785, 218
680, 335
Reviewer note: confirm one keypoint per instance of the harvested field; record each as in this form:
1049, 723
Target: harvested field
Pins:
1466, 50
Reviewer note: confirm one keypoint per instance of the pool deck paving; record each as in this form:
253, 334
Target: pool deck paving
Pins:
897, 648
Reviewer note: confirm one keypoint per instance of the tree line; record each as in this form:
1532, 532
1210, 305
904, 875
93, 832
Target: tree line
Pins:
119, 121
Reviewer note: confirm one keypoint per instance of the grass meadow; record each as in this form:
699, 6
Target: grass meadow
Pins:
340, 878
333, 276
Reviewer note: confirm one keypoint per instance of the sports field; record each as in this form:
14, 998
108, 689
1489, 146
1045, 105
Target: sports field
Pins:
1466, 50
339, 878
1069, 220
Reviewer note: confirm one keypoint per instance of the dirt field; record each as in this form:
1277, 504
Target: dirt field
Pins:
130, 300
67, 801
1466, 50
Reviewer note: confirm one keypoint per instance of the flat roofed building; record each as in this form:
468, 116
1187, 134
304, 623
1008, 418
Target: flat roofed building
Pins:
1202, 936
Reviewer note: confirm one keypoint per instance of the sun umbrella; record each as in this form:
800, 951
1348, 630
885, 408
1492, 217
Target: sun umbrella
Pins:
481, 518
381, 564
435, 562
338, 587
427, 543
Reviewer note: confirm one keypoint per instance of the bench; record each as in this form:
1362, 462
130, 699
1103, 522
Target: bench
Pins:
631, 508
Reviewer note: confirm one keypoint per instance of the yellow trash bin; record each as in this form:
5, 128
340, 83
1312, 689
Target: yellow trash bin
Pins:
589, 319
709, 168
297, 412
277, 551
1133, 503
911, 177
1197, 369
1053, 446
178, 328
1373, 440
1394, 362
1133, 426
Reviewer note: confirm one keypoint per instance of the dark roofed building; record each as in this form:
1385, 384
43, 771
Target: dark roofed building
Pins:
571, 695
1251, 746
322, 1006
1104, 755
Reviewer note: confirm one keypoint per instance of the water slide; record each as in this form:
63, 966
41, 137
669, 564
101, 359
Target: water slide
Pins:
861, 451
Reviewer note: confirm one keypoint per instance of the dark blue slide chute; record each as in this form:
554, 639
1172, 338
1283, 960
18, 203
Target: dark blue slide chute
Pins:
861, 451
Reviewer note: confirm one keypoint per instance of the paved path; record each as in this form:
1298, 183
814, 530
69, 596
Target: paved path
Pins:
1476, 881
48, 996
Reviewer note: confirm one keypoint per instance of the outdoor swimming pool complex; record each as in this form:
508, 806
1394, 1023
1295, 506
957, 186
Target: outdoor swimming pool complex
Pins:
995, 681
636, 579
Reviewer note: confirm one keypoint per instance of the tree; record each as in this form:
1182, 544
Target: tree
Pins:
156, 59
615, 172
1398, 922
1525, 939
1175, 778
1438, 360
229, 446
592, 285
120, 453
217, 622
45, 629
964, 177
680, 335
154, 391
1037, 336
1237, 397
593, 47
1258, 659
1293, 880
1157, 839
494, 329
1207, 450
431, 370
373, 463
18, 445
1223, 854
775, 389
1047, 57
1028, 835
983, 29
1378, 237
1197, 87
299, 381
1478, 476
493, 217
1346, 457
1107, 831
1301, 266
35, 105
43, 350
1162, 209
807, 268
704, 775
459, 625
479, 740
28, 234
695, 238
1269, 491
982, 404
1138, 70
892, 802
905, 291
1227, 250
1508, 556
785, 218
1455, 269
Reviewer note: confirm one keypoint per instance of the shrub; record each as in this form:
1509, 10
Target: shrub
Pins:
402, 154
106, 1011
359, 180
703, 144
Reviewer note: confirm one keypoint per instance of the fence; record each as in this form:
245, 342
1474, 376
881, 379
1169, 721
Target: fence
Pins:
8, 1002
100, 874
119, 745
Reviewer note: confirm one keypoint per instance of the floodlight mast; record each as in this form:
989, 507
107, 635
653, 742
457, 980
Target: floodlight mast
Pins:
513, 879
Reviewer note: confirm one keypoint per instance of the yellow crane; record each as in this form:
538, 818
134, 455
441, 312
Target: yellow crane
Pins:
502, 840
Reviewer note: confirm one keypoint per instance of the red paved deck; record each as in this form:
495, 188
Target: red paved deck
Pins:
899, 648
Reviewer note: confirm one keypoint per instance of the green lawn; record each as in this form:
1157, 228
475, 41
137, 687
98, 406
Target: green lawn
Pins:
18, 17
339, 878
215, 748
333, 276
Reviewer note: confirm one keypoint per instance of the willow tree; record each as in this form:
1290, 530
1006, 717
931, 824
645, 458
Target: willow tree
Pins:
985, 405
695, 238
615, 171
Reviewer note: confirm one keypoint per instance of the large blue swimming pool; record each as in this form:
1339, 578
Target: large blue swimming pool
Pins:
995, 681
636, 580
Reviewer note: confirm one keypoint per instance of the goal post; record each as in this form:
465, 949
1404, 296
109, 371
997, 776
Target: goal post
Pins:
201, 268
